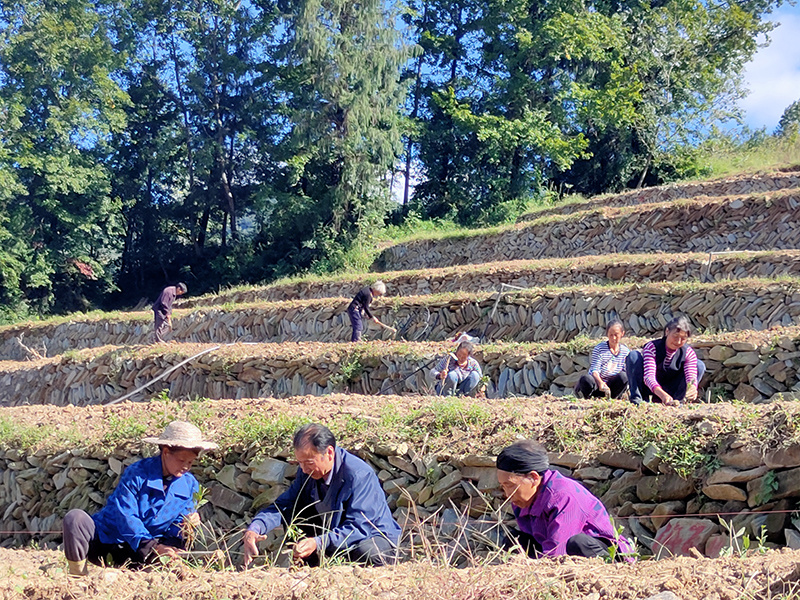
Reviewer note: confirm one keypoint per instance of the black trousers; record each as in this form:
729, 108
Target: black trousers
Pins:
634, 365
587, 386
81, 543
578, 545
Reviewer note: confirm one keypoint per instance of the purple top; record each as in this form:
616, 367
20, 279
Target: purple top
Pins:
163, 306
562, 508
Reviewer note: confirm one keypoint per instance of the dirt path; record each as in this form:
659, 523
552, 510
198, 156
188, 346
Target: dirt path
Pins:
40, 575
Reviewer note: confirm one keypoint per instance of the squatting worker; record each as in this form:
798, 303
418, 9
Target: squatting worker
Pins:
457, 373
359, 306
555, 514
667, 368
146, 514
335, 500
162, 309
606, 376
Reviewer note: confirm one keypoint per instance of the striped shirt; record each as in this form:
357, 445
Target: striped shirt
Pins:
607, 364
649, 357
452, 366
562, 508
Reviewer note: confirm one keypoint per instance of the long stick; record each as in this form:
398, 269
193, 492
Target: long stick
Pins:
164, 374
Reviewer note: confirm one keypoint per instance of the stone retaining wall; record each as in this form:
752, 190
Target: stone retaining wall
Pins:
686, 226
556, 272
739, 186
547, 315
462, 493
752, 372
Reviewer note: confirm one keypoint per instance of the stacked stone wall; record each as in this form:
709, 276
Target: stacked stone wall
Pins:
455, 496
754, 224
557, 272
680, 191
537, 316
753, 370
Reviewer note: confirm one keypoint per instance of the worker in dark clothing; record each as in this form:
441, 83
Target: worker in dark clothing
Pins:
162, 309
360, 305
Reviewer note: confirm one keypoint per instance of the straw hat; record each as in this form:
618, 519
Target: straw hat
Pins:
180, 434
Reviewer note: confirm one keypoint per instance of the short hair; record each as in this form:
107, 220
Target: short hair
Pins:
468, 346
182, 287
679, 324
379, 287
613, 323
315, 435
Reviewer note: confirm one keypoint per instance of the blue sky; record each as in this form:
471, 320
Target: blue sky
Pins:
773, 77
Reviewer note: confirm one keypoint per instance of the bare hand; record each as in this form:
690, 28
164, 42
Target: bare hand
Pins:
668, 400
251, 538
168, 551
605, 389
305, 548
193, 519
442, 375
691, 393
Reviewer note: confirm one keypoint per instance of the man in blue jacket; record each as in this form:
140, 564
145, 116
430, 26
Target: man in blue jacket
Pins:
145, 515
336, 501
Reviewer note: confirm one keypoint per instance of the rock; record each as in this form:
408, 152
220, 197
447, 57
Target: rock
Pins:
389, 449
786, 484
89, 464
742, 458
621, 460
663, 511
724, 491
792, 538
650, 457
659, 488
744, 346
622, 490
115, 465
596, 473
680, 535
728, 475
227, 476
269, 471
446, 482
60, 479
746, 393
473, 460
743, 359
566, 459
643, 537
664, 596
783, 458
227, 499
403, 464
721, 353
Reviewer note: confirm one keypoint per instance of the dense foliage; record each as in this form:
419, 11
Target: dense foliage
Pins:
220, 141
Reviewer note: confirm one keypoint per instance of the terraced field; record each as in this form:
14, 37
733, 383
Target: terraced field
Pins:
726, 254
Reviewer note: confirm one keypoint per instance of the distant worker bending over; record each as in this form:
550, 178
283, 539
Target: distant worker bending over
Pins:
148, 512
555, 515
162, 309
359, 306
667, 369
336, 501
606, 376
457, 373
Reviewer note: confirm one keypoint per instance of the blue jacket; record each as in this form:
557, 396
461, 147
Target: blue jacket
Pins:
355, 506
140, 510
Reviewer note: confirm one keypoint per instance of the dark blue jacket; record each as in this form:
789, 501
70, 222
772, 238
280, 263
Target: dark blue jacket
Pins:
140, 509
355, 506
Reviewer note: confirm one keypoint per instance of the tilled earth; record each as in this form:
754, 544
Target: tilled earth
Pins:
40, 574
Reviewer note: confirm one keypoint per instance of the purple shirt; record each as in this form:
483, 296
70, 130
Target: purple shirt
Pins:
562, 508
163, 305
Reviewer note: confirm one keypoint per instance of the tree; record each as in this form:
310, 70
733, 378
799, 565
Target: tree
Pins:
340, 72
60, 107
789, 123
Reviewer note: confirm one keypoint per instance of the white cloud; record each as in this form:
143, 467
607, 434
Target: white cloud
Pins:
773, 76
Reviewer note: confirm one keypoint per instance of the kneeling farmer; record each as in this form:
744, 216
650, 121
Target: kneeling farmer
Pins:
556, 515
336, 501
145, 513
